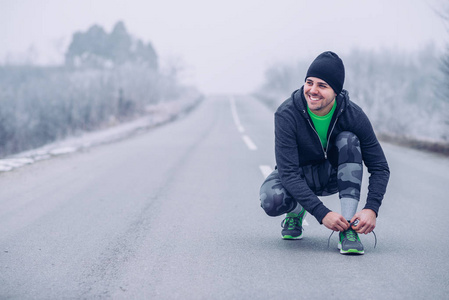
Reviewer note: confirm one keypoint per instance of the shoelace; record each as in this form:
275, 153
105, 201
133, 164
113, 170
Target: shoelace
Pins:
292, 222
352, 234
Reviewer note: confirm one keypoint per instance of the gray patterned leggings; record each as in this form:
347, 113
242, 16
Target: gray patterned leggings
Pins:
323, 179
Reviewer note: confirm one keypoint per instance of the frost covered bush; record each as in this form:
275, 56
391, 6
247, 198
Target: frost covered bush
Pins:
399, 92
106, 79
40, 105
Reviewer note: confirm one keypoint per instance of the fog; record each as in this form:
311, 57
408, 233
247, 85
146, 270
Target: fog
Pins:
67, 68
223, 47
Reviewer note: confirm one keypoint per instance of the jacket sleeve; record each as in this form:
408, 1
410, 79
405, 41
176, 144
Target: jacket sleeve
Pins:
287, 160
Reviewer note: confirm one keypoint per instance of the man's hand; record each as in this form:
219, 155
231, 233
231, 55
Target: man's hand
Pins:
367, 221
334, 221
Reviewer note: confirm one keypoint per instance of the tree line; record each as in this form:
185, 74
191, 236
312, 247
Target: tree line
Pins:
106, 79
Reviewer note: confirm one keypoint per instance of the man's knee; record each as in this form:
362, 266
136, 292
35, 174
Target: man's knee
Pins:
348, 147
268, 201
274, 199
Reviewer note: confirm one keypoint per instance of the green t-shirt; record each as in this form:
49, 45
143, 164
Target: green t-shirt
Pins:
322, 123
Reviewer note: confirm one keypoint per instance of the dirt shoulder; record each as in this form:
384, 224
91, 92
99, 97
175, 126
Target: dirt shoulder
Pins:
404, 141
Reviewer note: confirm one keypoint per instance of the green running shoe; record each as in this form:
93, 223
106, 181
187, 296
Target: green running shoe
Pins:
292, 225
350, 242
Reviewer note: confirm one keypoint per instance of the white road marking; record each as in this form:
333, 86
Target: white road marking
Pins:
235, 115
266, 170
249, 143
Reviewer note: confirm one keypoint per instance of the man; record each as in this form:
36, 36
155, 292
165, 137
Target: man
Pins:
321, 139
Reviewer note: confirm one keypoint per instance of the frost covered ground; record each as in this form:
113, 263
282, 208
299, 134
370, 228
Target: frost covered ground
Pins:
161, 114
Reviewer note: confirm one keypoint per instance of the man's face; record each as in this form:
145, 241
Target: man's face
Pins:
319, 96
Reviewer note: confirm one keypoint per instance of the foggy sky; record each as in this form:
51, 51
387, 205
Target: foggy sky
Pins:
224, 46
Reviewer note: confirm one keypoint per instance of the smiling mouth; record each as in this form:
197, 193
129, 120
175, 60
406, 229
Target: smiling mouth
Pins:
314, 98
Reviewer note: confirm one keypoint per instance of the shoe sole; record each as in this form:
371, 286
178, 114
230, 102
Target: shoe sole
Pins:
350, 251
289, 237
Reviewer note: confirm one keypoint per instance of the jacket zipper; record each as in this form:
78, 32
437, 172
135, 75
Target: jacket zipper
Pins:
324, 151
330, 133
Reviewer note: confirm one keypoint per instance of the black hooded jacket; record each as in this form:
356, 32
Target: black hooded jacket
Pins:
297, 144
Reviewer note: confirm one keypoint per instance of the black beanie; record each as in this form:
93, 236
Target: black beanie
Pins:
328, 67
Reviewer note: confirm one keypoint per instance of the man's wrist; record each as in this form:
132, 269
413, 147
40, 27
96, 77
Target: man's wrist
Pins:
371, 211
374, 209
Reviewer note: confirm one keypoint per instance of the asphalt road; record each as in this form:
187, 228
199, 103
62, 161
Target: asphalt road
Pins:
174, 213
